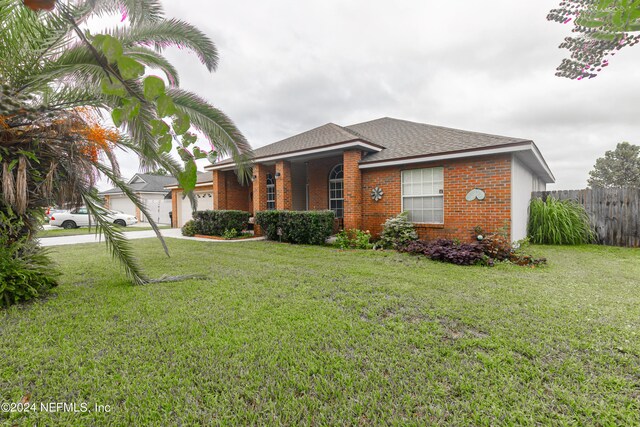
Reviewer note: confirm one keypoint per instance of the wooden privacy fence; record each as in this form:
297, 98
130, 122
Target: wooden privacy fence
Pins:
614, 212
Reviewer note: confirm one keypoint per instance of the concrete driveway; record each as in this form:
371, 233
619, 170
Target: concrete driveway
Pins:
174, 233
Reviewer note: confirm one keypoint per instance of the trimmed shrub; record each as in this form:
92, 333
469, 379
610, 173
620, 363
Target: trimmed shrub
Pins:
215, 223
397, 232
353, 239
189, 228
559, 222
299, 227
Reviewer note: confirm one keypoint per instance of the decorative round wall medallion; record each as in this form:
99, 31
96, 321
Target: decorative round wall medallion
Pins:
377, 193
476, 193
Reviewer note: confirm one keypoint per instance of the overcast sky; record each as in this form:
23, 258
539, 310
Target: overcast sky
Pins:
288, 66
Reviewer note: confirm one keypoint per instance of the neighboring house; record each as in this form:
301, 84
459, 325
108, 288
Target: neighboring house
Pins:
150, 188
449, 181
181, 205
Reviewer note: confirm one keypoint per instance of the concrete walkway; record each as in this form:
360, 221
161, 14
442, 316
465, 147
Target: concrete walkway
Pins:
174, 233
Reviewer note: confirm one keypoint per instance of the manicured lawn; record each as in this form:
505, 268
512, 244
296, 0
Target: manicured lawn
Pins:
60, 232
284, 335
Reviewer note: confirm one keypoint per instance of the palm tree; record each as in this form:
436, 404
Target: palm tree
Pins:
52, 91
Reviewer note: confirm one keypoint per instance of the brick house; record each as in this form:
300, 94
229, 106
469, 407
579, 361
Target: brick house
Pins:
450, 181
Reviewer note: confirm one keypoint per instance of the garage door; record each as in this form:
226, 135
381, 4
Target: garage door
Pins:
205, 201
158, 209
122, 204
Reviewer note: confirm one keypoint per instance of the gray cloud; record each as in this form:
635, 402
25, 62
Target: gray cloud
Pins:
288, 66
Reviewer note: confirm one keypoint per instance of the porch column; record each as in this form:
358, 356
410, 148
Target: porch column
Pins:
283, 185
219, 190
259, 193
174, 208
352, 189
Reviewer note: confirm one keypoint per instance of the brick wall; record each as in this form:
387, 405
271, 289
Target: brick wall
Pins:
238, 195
318, 176
174, 207
490, 173
283, 185
352, 189
219, 190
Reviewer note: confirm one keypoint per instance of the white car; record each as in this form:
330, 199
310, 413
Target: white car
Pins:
80, 218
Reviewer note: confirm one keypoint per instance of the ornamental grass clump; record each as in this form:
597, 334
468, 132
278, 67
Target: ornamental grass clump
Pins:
559, 222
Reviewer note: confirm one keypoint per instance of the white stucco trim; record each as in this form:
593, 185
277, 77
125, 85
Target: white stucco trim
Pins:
523, 148
202, 184
437, 157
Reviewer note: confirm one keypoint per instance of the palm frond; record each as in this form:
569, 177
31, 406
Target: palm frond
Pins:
115, 239
171, 32
153, 59
137, 11
118, 182
216, 126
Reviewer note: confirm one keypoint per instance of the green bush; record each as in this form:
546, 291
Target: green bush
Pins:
300, 227
397, 232
353, 239
215, 223
559, 222
231, 234
189, 228
25, 270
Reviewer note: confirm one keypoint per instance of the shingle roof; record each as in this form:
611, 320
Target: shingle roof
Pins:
151, 184
321, 136
402, 139
399, 139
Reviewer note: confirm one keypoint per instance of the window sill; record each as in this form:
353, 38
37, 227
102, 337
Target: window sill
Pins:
427, 225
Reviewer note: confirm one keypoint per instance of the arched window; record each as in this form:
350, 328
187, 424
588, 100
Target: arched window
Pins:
336, 191
271, 192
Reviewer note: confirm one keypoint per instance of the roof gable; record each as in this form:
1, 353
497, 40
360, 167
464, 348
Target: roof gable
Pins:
321, 136
144, 183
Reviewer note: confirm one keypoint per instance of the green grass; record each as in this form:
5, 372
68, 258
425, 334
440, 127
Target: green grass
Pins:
60, 232
295, 335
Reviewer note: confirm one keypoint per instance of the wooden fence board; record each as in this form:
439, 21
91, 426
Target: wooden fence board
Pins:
614, 212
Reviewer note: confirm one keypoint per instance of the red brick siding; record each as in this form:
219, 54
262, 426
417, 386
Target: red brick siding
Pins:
174, 207
283, 186
490, 173
318, 176
238, 196
352, 189
219, 190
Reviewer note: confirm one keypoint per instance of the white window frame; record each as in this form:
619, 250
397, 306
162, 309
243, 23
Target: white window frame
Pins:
336, 180
271, 185
440, 194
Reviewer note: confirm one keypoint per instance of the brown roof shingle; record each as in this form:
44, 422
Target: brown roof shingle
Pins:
402, 139
399, 139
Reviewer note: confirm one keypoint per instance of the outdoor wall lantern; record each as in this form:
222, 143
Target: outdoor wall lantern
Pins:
254, 177
277, 175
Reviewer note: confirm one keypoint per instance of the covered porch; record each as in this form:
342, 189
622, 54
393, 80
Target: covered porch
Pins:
320, 181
